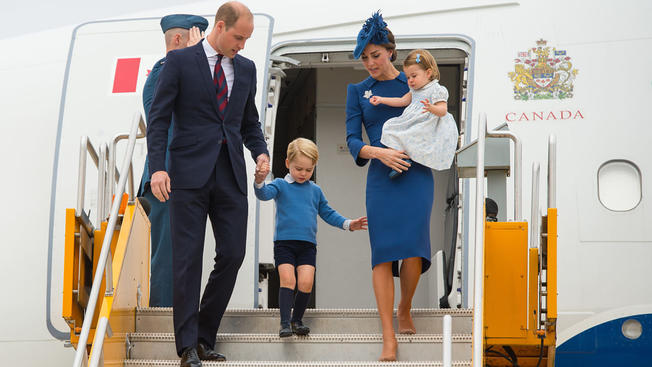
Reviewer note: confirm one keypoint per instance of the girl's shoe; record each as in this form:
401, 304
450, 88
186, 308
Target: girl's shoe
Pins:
394, 174
299, 328
285, 330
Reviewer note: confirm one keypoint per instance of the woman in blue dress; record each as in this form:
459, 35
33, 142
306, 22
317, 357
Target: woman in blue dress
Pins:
398, 210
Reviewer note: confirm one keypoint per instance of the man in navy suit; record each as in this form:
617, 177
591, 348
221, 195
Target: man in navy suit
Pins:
210, 91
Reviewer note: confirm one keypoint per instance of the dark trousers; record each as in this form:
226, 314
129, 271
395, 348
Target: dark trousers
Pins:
160, 288
226, 206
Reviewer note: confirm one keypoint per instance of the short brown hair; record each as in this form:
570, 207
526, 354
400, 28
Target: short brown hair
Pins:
304, 147
426, 61
230, 12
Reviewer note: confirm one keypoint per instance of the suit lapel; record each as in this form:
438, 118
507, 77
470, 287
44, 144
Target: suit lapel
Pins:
204, 71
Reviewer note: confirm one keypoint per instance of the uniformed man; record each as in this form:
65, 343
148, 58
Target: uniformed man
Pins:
181, 30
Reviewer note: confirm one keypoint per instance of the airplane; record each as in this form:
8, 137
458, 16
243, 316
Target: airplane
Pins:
574, 70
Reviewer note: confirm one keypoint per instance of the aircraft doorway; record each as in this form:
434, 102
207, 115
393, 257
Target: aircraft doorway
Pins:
312, 105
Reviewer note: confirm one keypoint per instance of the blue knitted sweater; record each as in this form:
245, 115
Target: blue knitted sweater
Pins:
297, 207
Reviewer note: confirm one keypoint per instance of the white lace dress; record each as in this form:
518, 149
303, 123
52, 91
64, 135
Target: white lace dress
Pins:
426, 138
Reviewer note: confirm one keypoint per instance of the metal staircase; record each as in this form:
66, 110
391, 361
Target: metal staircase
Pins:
339, 337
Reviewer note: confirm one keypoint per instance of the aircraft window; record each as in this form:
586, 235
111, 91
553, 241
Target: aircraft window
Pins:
632, 329
619, 185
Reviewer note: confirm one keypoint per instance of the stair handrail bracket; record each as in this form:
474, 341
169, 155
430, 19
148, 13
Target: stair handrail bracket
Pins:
478, 286
86, 148
106, 245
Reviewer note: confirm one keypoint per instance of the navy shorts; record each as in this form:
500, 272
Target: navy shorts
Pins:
294, 252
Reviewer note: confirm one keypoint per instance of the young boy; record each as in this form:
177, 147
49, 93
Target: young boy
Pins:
298, 202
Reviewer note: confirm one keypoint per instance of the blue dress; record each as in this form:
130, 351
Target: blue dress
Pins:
398, 210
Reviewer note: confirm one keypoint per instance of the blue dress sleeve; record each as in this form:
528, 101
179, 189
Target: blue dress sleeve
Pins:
354, 125
328, 214
268, 191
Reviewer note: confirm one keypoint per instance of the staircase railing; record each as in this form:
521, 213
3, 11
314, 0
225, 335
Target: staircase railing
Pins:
106, 244
478, 286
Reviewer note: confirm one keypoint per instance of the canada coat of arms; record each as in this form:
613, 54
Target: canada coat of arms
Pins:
542, 73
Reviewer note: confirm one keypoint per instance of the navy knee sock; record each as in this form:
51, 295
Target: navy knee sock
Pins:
285, 303
300, 304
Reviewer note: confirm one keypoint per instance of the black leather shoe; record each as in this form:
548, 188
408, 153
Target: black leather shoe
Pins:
285, 331
206, 353
189, 358
299, 328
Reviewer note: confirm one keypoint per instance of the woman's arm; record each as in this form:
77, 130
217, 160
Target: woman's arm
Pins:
361, 151
392, 101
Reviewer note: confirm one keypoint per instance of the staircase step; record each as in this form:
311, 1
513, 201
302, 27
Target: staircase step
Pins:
175, 363
316, 347
323, 321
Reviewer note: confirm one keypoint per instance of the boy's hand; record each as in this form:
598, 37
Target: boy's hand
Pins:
358, 224
262, 172
375, 100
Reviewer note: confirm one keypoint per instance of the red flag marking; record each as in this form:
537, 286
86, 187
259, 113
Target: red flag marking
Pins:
126, 75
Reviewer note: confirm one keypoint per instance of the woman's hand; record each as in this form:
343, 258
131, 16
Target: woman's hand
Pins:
358, 224
392, 158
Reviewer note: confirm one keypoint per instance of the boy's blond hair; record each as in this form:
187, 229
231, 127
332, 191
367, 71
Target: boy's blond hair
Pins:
426, 61
305, 147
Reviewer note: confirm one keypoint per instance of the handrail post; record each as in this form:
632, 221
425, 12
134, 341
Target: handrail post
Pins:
112, 177
552, 171
132, 189
518, 169
478, 290
447, 342
534, 215
106, 246
101, 329
81, 180
101, 185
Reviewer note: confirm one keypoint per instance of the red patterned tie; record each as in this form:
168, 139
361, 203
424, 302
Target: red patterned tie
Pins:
219, 80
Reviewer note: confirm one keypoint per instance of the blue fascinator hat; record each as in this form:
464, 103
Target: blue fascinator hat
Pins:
373, 31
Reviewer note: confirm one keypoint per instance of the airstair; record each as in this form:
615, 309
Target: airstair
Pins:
512, 322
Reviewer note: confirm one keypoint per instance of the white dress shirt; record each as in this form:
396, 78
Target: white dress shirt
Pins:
227, 65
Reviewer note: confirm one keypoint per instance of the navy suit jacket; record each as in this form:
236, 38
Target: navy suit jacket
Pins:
186, 92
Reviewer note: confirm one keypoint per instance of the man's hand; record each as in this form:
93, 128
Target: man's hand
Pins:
262, 166
262, 173
194, 36
160, 186
358, 224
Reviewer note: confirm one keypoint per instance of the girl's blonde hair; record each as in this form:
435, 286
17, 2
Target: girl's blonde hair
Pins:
424, 60
303, 147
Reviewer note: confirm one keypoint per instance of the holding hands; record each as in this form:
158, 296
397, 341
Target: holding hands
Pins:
262, 168
358, 224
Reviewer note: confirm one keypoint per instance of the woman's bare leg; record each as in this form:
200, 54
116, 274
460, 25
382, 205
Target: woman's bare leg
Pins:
410, 273
383, 283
